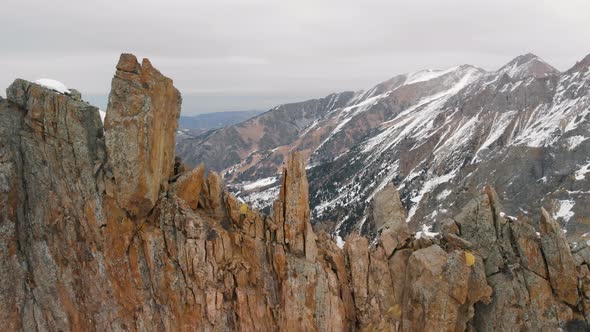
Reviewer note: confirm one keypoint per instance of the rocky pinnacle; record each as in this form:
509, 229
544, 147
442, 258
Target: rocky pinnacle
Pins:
140, 129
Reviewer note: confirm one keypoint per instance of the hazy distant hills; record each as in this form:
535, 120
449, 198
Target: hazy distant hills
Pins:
215, 120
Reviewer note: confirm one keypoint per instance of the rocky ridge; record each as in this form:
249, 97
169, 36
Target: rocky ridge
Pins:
102, 229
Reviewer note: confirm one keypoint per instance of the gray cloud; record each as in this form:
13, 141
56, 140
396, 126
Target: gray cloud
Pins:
256, 53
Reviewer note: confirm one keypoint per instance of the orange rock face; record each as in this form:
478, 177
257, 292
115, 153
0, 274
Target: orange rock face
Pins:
113, 240
140, 128
188, 186
292, 208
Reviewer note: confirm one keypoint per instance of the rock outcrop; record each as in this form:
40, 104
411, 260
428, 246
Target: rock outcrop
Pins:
291, 210
53, 262
140, 130
559, 260
389, 217
123, 238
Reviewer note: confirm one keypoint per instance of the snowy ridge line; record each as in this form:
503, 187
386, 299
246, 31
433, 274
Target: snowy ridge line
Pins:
417, 120
427, 75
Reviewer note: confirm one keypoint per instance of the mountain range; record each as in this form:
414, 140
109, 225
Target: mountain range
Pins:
438, 135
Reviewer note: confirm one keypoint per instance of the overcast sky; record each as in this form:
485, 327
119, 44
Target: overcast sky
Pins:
254, 54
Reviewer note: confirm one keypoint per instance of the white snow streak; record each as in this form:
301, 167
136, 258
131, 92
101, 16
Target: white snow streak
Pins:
259, 183
565, 210
348, 113
443, 194
339, 242
581, 173
499, 125
54, 85
425, 232
574, 141
427, 187
417, 120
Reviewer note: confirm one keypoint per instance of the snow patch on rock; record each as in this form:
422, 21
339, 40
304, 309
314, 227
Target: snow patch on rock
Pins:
565, 210
339, 242
427, 187
574, 141
443, 194
54, 85
581, 173
426, 232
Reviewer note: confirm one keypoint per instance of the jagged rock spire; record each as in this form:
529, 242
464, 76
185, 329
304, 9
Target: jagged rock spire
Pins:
140, 129
559, 260
291, 210
389, 216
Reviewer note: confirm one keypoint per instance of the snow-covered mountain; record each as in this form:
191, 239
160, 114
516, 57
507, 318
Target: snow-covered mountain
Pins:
435, 134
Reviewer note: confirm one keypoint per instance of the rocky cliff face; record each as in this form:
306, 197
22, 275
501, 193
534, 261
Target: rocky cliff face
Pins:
100, 229
437, 135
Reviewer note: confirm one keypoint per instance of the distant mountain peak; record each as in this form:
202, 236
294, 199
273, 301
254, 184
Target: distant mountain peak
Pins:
582, 64
523, 58
527, 65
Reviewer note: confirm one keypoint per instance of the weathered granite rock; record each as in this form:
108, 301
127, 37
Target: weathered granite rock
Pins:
529, 247
389, 217
523, 298
75, 94
438, 296
189, 185
292, 208
140, 129
388, 210
12, 196
476, 222
559, 260
357, 252
54, 212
